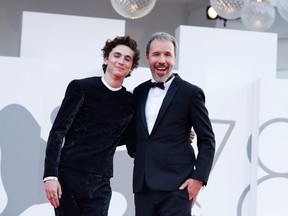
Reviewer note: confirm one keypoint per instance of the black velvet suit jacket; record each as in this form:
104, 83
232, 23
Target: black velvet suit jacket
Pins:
166, 158
91, 120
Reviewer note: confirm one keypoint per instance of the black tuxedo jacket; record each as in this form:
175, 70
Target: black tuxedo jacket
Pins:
165, 158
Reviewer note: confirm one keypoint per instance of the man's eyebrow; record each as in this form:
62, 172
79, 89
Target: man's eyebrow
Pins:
118, 53
128, 56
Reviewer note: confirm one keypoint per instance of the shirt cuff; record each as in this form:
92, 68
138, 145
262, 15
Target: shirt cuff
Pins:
50, 178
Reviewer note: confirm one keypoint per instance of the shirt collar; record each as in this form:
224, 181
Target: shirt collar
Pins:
109, 87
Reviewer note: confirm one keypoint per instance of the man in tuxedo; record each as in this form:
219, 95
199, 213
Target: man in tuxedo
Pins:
167, 174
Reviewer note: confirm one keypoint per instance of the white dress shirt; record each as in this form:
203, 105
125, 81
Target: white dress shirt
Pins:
154, 102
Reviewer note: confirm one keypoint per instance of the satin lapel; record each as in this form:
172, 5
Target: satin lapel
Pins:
143, 96
167, 100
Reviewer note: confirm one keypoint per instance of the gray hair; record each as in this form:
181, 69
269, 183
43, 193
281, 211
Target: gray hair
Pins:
161, 36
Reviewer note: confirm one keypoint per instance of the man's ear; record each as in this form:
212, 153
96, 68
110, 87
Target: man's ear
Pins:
147, 59
105, 60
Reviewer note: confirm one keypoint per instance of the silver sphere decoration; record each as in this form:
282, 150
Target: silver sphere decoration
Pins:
228, 9
282, 7
133, 9
258, 15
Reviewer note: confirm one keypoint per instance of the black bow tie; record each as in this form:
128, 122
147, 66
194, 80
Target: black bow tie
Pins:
157, 84
161, 84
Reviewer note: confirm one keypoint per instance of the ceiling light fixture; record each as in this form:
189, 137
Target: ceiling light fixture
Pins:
258, 15
211, 14
133, 9
228, 9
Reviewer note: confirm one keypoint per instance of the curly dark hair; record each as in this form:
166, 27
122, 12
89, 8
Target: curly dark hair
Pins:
121, 40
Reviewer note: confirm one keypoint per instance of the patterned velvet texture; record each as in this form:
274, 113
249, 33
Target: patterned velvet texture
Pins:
91, 117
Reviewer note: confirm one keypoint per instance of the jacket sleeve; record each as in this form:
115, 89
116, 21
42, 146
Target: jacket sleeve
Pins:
71, 104
128, 138
205, 137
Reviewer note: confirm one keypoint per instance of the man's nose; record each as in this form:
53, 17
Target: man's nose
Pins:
121, 60
161, 59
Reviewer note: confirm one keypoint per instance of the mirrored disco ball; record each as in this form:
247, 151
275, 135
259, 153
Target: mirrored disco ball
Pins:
133, 9
282, 7
258, 15
228, 9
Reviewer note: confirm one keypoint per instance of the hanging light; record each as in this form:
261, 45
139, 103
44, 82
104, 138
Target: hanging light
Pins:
258, 15
211, 13
133, 9
228, 9
282, 7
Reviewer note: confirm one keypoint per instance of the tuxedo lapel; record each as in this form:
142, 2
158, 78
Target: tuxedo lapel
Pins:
142, 105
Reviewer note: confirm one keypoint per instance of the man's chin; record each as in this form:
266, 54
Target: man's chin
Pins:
161, 74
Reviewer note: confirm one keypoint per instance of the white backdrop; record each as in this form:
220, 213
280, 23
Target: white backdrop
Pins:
242, 94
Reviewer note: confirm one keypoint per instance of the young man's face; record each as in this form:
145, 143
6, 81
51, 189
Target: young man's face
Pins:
161, 59
120, 60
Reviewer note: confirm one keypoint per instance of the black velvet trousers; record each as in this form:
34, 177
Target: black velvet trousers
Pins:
83, 194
